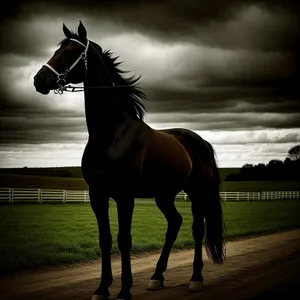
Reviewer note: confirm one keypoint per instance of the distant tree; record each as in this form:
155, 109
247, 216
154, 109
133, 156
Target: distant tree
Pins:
294, 153
247, 166
287, 161
275, 163
261, 166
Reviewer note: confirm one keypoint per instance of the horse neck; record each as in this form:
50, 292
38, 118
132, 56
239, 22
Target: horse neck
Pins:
103, 115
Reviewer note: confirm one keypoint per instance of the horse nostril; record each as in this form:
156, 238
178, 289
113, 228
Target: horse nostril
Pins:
38, 83
37, 79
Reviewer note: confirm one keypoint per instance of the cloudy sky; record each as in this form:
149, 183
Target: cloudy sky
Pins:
229, 70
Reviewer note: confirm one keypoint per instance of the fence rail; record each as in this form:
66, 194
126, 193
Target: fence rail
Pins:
18, 195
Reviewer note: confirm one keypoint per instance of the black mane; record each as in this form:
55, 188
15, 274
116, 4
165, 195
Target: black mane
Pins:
133, 98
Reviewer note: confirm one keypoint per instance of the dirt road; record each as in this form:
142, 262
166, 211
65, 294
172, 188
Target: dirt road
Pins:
265, 267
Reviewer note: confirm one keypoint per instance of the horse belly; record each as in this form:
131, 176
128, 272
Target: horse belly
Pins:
166, 168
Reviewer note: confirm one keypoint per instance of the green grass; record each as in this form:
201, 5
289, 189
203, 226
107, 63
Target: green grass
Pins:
42, 182
75, 172
50, 178
43, 235
258, 186
224, 172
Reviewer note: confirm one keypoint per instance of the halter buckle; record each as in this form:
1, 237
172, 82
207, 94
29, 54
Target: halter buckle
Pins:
62, 76
59, 91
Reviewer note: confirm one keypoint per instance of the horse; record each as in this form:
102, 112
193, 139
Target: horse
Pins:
125, 158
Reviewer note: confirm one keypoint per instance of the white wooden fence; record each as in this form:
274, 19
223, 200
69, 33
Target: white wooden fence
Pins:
18, 195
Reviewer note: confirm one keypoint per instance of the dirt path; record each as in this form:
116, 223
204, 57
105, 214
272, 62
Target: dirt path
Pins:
256, 268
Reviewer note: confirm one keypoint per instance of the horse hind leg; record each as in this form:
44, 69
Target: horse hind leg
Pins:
198, 227
206, 204
174, 219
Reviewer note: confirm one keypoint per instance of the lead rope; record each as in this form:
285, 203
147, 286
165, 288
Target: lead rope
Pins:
76, 89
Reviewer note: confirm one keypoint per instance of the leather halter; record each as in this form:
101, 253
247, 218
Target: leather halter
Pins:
61, 77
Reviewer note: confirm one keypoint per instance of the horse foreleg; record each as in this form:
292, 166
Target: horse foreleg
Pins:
100, 206
125, 210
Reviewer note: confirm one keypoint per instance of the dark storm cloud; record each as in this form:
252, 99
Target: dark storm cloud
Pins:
292, 137
20, 39
259, 137
213, 22
31, 122
228, 121
243, 59
222, 99
41, 129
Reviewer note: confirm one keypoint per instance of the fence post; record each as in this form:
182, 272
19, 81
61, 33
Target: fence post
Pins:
39, 196
247, 196
238, 196
10, 196
184, 197
64, 196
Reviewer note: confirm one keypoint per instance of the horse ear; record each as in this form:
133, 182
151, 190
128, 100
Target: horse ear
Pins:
66, 31
82, 31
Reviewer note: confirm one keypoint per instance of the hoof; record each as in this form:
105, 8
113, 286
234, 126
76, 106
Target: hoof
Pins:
124, 295
155, 285
196, 286
99, 297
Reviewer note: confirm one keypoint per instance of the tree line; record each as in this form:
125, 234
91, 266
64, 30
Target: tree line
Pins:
275, 169
66, 172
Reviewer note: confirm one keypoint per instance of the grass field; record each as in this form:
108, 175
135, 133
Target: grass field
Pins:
75, 172
44, 182
43, 235
257, 186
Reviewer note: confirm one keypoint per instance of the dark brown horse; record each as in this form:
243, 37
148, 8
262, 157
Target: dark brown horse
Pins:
126, 159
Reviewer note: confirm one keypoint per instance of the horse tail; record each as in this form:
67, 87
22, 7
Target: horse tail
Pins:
213, 214
208, 201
